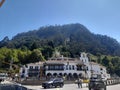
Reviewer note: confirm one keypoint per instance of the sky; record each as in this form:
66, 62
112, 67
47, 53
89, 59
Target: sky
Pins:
99, 16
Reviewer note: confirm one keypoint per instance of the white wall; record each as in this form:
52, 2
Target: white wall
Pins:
95, 67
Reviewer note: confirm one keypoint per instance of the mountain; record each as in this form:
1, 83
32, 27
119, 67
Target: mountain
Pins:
71, 38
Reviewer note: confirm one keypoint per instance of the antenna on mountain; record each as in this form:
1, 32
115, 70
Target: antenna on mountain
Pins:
1, 2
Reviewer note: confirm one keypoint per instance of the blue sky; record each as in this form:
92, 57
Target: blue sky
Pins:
99, 16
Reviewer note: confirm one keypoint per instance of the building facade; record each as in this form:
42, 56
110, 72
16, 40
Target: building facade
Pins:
31, 70
93, 68
64, 66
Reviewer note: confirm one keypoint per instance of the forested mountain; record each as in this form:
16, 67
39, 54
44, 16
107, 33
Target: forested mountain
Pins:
72, 38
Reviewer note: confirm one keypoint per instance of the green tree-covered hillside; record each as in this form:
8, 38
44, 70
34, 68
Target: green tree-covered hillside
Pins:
73, 38
70, 40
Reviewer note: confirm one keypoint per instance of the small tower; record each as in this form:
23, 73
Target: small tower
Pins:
84, 57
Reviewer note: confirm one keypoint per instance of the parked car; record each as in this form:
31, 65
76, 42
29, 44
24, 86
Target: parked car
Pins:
96, 83
53, 82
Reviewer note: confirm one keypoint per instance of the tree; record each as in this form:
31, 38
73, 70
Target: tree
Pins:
47, 51
105, 61
99, 58
23, 56
34, 46
36, 56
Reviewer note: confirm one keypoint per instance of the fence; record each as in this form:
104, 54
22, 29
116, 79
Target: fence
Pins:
113, 81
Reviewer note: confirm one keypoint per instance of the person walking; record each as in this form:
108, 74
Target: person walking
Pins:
79, 83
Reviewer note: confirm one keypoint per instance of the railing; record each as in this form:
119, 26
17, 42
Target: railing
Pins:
113, 82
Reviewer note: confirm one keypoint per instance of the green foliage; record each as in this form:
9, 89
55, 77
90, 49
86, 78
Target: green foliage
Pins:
23, 56
17, 57
105, 61
112, 63
70, 40
75, 37
36, 56
47, 51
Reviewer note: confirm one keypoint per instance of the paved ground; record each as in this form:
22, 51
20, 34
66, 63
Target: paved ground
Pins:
72, 87
65, 87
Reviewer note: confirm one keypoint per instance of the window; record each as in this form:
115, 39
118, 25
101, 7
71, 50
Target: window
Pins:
73, 67
101, 69
69, 67
31, 67
79, 67
23, 71
66, 67
61, 67
48, 67
87, 68
51, 67
56, 67
36, 67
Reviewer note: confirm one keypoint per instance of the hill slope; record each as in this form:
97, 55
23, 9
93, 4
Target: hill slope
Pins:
72, 38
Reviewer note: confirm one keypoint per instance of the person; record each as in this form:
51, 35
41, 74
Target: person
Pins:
79, 83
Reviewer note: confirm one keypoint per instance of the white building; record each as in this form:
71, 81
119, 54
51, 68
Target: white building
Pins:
64, 66
31, 70
94, 68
